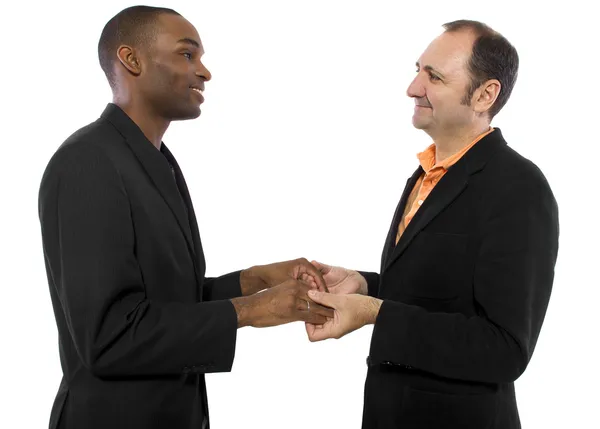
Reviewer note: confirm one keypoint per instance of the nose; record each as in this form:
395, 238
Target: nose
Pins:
416, 89
203, 72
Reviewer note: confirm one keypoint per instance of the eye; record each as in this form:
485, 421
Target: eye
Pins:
433, 77
187, 55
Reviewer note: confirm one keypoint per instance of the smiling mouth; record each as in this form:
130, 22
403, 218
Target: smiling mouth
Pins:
198, 90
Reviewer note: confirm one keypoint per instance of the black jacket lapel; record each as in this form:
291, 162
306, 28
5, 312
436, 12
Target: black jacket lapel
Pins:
185, 194
391, 237
155, 164
449, 188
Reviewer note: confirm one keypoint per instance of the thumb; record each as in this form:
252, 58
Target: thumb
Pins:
326, 299
323, 268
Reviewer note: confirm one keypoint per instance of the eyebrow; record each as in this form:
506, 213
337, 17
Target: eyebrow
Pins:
189, 42
430, 69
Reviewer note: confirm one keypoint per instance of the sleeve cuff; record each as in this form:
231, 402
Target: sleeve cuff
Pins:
224, 287
218, 357
388, 332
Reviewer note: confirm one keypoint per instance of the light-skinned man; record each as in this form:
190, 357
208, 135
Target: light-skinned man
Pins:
468, 263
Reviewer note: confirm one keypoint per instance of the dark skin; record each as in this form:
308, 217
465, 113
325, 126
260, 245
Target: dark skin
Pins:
286, 299
162, 82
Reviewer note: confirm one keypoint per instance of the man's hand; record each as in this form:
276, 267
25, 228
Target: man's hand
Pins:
284, 303
339, 281
351, 312
261, 277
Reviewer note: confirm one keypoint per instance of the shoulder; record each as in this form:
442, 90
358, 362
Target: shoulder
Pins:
86, 152
507, 170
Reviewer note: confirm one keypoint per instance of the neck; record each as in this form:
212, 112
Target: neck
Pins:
453, 142
152, 125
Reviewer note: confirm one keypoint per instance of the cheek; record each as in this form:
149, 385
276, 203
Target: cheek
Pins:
169, 76
435, 100
445, 103
435, 95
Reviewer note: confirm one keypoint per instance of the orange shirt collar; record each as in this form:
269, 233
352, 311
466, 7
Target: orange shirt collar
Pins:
427, 157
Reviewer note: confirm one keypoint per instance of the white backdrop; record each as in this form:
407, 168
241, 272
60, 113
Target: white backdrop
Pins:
303, 149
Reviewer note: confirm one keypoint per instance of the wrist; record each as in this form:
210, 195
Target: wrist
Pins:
363, 288
244, 310
250, 281
373, 305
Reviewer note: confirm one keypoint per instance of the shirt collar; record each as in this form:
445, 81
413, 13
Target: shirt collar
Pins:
427, 157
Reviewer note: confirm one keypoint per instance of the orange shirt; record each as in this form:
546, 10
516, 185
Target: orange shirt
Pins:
433, 174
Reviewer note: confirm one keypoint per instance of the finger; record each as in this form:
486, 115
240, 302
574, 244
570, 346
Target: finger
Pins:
306, 286
313, 284
310, 282
323, 268
321, 286
320, 332
319, 335
310, 328
308, 268
309, 311
319, 309
304, 267
325, 299
305, 303
307, 279
314, 318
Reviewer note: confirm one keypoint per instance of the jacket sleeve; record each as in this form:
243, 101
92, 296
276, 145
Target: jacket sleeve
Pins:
224, 287
372, 282
89, 249
512, 283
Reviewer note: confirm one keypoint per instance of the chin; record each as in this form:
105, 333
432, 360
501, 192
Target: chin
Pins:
419, 124
195, 114
189, 113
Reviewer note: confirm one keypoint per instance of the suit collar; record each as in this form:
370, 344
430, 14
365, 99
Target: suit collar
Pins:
154, 162
185, 194
389, 242
452, 184
476, 158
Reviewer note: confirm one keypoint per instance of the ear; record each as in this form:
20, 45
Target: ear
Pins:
485, 96
128, 58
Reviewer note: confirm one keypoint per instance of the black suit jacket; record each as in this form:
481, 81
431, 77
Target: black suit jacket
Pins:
465, 293
139, 325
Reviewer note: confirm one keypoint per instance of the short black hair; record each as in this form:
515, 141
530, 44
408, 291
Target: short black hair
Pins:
133, 26
493, 57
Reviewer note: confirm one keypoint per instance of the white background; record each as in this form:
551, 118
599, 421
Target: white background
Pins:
303, 149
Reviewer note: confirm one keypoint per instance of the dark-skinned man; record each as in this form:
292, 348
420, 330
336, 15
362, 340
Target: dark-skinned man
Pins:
139, 324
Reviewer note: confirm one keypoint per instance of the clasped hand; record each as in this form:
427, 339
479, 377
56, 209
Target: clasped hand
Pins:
348, 297
332, 301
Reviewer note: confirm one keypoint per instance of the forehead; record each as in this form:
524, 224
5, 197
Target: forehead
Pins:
171, 29
449, 52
